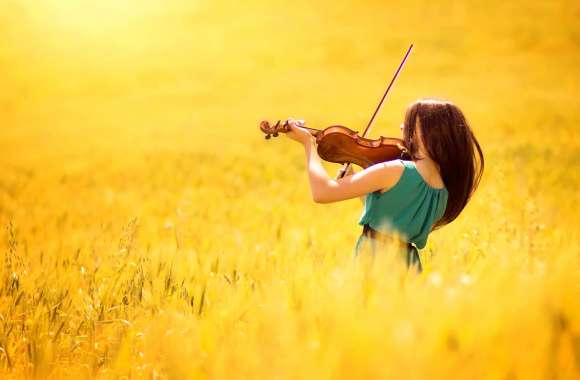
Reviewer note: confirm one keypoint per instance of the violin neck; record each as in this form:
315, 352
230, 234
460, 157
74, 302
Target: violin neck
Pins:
314, 132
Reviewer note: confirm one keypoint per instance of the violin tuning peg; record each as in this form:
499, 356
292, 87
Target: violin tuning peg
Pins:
267, 137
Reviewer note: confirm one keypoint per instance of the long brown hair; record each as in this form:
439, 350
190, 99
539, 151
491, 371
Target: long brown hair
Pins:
449, 141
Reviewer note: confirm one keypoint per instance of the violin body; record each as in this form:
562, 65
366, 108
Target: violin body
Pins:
342, 145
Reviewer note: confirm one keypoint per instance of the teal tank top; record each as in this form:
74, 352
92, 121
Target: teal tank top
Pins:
410, 207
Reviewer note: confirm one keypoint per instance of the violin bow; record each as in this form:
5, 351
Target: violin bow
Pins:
346, 166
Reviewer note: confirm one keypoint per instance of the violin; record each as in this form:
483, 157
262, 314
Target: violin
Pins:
344, 146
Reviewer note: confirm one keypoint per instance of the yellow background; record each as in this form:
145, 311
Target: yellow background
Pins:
150, 230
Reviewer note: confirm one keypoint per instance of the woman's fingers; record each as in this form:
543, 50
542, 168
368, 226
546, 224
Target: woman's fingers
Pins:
293, 122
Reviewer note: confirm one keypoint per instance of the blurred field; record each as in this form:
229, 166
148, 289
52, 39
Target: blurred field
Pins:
150, 231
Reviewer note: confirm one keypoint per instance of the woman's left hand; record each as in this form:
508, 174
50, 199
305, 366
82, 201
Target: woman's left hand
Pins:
297, 133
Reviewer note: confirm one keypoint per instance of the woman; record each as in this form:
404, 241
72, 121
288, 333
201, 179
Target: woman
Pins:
406, 200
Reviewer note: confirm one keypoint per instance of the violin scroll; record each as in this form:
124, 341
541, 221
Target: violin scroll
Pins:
273, 130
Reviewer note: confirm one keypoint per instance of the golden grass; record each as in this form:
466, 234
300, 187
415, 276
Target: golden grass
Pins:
150, 231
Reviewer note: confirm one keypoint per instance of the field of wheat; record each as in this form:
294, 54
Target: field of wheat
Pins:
149, 230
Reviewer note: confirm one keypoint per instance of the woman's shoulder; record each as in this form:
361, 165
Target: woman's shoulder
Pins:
396, 163
427, 175
396, 170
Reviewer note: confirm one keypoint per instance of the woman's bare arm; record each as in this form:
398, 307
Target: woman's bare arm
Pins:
350, 172
327, 190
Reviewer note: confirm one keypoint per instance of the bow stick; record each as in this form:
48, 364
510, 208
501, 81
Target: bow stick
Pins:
346, 166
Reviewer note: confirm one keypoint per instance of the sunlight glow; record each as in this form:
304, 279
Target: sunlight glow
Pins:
86, 16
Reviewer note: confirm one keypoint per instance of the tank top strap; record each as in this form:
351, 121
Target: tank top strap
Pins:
408, 164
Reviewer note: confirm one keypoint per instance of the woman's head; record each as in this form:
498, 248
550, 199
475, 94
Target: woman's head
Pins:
439, 129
